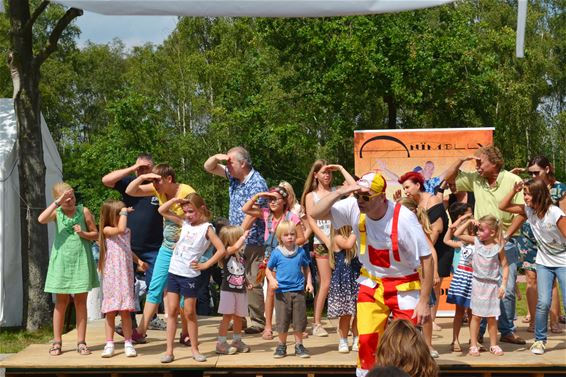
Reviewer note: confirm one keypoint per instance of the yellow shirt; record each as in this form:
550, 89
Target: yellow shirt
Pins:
488, 198
171, 231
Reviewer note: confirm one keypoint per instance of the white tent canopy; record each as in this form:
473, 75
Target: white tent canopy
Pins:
11, 288
271, 8
253, 8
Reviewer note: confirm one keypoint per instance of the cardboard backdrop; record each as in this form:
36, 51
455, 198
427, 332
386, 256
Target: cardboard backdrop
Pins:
395, 152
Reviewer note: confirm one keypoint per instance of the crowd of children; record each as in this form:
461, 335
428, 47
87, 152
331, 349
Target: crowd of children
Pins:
478, 284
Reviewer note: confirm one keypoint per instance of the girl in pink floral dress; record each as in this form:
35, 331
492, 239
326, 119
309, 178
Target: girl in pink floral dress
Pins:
116, 265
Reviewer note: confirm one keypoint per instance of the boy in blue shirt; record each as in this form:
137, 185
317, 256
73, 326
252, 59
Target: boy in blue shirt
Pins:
292, 266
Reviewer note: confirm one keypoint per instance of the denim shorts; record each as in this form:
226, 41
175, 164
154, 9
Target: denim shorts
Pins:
184, 286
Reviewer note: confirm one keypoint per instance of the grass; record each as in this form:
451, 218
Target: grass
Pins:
15, 340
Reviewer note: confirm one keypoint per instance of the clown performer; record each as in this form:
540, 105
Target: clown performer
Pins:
391, 246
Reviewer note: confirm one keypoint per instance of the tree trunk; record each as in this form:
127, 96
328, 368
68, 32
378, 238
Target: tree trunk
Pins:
392, 110
25, 70
34, 242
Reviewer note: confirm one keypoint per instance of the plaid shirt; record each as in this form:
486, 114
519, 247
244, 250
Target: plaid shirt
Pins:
240, 193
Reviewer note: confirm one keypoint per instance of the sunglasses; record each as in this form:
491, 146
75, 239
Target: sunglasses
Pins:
365, 197
534, 173
271, 200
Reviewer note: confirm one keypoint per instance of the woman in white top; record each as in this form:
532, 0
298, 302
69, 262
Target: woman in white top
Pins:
317, 186
548, 223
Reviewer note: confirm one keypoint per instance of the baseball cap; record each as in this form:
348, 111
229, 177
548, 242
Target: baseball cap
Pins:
374, 182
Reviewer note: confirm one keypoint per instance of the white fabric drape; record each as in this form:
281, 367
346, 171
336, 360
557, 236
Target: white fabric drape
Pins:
253, 8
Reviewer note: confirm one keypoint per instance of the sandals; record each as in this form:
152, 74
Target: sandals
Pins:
474, 351
55, 349
267, 334
455, 347
496, 350
82, 349
555, 329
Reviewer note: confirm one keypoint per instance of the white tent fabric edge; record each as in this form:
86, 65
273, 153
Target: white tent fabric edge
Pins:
252, 8
11, 287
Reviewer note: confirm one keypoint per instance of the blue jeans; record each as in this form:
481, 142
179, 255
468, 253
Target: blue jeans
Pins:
505, 323
545, 279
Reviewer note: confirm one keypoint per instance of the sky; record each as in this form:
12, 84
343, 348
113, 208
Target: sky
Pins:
132, 30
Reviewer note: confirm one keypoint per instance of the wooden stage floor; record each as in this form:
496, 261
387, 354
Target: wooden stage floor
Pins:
325, 359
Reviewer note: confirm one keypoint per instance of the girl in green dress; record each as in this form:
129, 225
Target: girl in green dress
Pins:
71, 268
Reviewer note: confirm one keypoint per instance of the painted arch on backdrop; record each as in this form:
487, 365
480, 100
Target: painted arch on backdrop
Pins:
252, 8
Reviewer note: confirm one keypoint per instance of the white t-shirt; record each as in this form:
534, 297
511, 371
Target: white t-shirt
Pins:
378, 259
190, 247
550, 242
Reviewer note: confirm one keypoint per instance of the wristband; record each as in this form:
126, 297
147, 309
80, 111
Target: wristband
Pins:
57, 204
124, 213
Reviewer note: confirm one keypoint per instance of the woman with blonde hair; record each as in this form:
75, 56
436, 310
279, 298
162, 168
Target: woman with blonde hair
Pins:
393, 350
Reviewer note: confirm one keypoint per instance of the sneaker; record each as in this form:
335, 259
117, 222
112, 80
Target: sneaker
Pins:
538, 347
318, 330
130, 351
301, 351
280, 351
343, 348
240, 346
225, 349
108, 351
355, 344
157, 324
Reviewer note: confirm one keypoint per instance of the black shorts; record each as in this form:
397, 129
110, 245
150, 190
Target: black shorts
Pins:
184, 286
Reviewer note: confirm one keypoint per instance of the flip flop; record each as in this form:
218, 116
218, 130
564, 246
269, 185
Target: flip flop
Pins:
455, 347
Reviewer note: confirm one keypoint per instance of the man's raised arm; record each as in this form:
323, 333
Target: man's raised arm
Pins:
213, 165
321, 210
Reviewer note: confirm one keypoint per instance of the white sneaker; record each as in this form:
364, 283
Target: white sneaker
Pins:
108, 351
130, 351
343, 348
538, 347
355, 344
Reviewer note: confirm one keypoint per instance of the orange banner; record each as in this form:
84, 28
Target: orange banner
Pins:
429, 151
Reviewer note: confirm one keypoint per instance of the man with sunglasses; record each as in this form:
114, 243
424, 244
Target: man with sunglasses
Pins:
391, 246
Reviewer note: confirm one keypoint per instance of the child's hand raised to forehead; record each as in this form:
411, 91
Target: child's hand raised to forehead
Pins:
128, 209
68, 194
